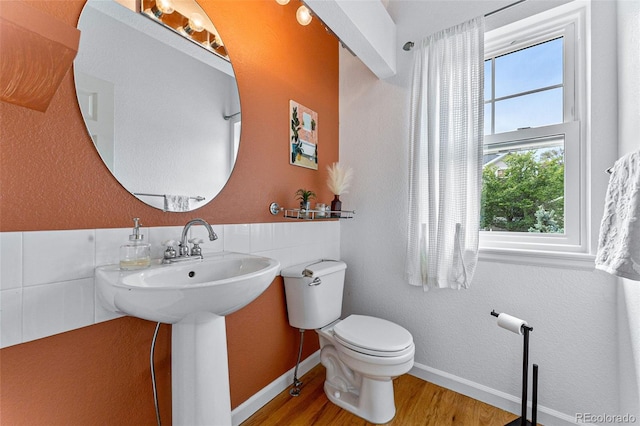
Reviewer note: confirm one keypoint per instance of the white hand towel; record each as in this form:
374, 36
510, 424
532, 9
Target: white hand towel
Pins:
619, 242
176, 203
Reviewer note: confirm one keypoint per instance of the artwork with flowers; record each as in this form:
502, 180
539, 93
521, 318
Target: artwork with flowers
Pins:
303, 141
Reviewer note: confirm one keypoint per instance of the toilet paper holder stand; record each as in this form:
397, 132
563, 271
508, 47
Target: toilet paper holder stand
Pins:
525, 376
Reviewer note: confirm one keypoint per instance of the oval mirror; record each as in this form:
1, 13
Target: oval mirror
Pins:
159, 99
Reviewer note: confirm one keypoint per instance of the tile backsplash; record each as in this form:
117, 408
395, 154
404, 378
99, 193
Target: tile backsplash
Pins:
47, 277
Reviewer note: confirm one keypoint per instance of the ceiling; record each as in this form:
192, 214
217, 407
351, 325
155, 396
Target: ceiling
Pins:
414, 20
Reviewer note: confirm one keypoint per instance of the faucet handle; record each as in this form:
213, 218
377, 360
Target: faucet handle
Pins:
196, 250
170, 252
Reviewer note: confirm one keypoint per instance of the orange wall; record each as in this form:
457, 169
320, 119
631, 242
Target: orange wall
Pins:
52, 178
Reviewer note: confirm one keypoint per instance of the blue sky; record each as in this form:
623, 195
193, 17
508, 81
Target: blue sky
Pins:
529, 69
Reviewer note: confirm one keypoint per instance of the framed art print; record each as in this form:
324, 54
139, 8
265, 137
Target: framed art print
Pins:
303, 141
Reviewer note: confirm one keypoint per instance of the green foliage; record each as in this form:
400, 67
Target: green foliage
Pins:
295, 124
546, 222
532, 181
305, 195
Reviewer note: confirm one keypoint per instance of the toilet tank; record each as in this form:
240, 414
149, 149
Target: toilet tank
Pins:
314, 293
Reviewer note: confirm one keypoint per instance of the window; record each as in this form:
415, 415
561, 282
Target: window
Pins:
533, 196
524, 88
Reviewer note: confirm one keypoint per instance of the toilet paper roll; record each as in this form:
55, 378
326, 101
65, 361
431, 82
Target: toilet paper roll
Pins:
510, 323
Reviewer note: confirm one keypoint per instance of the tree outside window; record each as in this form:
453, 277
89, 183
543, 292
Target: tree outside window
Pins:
523, 191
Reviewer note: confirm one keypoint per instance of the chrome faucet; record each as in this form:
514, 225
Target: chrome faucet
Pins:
184, 253
184, 246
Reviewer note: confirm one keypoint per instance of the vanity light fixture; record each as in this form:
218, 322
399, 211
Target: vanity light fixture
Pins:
304, 16
184, 21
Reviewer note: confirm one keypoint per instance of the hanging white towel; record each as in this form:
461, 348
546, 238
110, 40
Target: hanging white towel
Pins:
619, 242
176, 203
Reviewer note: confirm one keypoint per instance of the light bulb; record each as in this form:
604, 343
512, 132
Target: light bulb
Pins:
162, 7
195, 24
282, 2
303, 15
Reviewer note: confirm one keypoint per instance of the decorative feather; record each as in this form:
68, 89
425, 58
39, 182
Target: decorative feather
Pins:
339, 178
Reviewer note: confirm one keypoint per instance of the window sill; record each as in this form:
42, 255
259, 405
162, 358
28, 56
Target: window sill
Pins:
564, 260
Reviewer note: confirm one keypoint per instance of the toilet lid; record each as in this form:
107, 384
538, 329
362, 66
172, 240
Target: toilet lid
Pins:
372, 334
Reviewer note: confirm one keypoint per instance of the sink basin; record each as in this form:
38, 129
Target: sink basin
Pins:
220, 284
194, 296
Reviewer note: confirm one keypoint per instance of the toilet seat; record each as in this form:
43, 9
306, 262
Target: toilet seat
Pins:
373, 336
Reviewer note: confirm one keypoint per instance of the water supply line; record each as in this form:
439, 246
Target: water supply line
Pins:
295, 389
153, 374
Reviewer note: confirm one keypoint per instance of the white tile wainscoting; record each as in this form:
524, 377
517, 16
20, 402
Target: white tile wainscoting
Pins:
47, 277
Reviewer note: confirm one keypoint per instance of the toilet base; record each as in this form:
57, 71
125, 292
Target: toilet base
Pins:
374, 402
359, 383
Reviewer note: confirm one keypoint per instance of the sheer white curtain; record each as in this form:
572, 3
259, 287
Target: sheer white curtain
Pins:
445, 164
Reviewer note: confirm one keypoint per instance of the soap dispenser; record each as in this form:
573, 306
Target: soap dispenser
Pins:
136, 254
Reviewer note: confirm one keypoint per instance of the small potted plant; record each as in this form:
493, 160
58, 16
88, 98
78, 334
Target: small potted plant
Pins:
305, 196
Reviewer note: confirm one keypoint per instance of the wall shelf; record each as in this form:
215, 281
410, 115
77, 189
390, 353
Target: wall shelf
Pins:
275, 209
318, 215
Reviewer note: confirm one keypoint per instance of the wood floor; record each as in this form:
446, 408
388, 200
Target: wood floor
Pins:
417, 403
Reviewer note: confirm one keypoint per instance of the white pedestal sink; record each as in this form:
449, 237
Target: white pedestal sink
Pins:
194, 296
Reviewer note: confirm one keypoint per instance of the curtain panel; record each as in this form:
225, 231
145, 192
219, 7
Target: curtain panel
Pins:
445, 164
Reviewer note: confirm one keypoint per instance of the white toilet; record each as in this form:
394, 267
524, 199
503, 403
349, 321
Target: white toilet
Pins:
362, 354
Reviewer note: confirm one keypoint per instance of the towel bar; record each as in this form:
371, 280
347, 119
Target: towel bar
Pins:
197, 198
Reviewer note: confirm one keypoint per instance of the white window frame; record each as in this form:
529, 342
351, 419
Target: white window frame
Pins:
572, 247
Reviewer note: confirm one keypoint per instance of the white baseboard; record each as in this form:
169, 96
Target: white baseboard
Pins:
245, 410
502, 400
